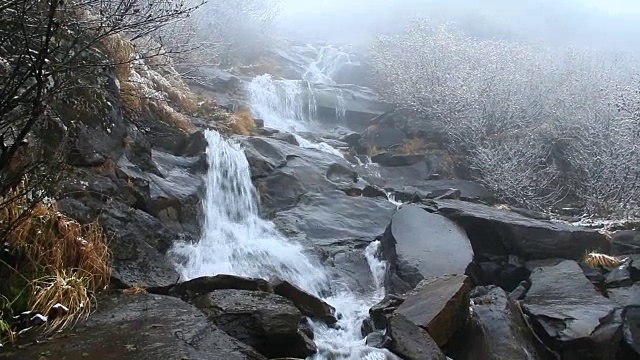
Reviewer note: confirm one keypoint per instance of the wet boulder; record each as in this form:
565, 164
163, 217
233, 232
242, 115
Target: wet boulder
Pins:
265, 321
570, 315
392, 160
502, 232
497, 329
419, 245
629, 298
438, 305
410, 341
308, 304
145, 327
333, 218
206, 284
626, 242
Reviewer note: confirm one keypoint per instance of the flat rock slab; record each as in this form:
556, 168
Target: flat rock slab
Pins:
142, 327
570, 315
438, 305
206, 284
495, 231
497, 329
334, 218
427, 243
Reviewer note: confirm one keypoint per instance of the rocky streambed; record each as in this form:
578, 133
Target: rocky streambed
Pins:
401, 257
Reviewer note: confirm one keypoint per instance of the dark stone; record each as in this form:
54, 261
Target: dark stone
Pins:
393, 160
206, 284
625, 242
351, 139
195, 144
286, 137
629, 298
265, 321
451, 194
420, 245
138, 241
497, 329
496, 231
381, 137
431, 189
296, 171
141, 326
380, 312
570, 315
378, 340
410, 341
308, 304
373, 191
438, 305
334, 218
520, 291
619, 276
594, 275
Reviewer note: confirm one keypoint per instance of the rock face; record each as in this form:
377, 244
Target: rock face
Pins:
629, 298
421, 245
495, 231
146, 327
308, 304
570, 316
439, 305
333, 217
497, 329
265, 321
284, 172
412, 342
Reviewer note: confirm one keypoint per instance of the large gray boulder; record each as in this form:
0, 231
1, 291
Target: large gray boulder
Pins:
502, 232
421, 245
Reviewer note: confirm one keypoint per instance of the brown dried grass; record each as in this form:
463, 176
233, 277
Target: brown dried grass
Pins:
242, 123
74, 257
411, 146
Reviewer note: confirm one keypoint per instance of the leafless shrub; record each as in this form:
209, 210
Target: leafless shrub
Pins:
540, 126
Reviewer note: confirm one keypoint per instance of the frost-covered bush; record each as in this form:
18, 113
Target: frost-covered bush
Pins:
540, 126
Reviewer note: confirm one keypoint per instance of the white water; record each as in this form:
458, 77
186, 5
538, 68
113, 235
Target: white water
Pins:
237, 241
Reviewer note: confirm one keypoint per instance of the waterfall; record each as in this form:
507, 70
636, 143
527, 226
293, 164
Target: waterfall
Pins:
237, 241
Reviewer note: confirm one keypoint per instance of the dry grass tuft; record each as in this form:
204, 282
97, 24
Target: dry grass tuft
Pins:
74, 257
372, 150
121, 51
65, 296
596, 260
135, 289
172, 117
242, 123
411, 146
130, 97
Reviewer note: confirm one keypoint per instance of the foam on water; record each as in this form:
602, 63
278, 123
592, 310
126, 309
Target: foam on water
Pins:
236, 240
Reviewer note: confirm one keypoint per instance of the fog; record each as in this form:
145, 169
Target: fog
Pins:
594, 23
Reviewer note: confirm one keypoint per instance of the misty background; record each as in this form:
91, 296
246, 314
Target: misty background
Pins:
605, 24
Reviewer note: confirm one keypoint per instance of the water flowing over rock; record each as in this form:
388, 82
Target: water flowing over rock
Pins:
237, 241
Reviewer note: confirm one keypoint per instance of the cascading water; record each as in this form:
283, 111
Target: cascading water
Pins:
237, 241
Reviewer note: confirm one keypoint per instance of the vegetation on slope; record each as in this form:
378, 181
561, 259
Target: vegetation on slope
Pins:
541, 126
